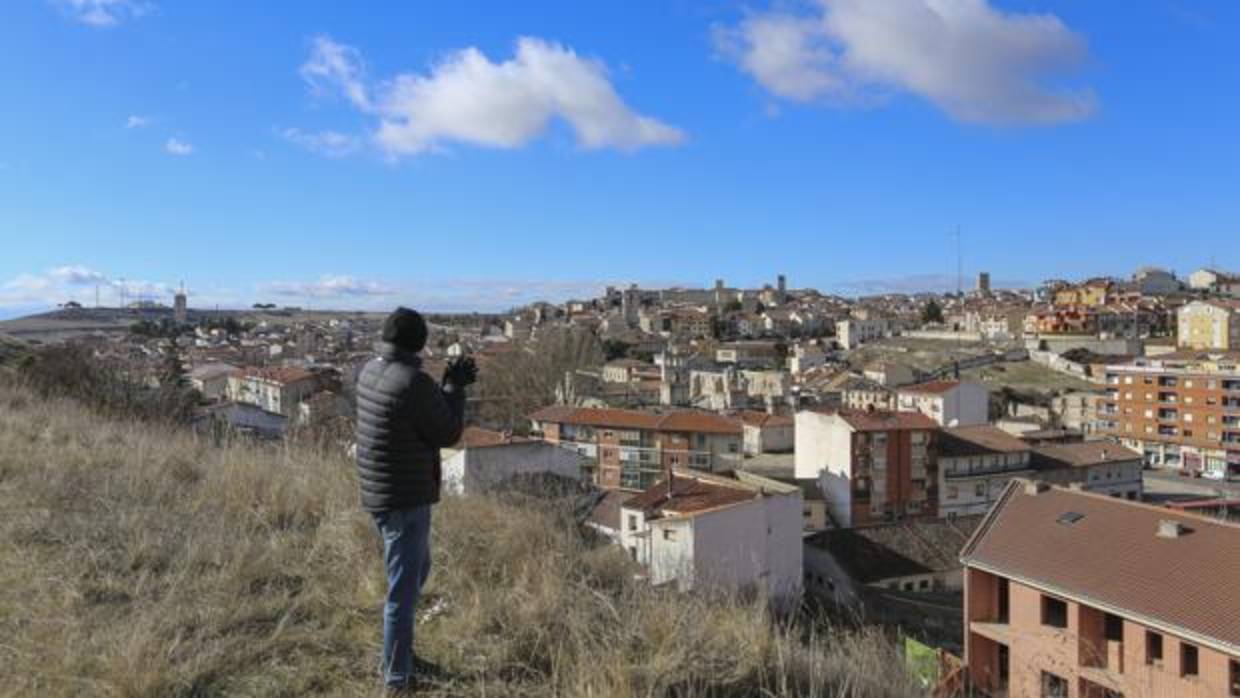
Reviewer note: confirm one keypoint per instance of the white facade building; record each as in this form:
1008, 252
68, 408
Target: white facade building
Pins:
950, 403
702, 532
854, 332
975, 465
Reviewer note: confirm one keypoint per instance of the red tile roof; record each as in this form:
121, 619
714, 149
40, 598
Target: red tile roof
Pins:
978, 440
690, 495
1083, 454
693, 421
882, 420
931, 388
277, 374
1112, 558
755, 418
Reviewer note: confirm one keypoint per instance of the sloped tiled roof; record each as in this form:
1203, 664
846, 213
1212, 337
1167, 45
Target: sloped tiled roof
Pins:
979, 440
931, 388
913, 547
695, 421
883, 420
689, 495
1081, 455
1112, 557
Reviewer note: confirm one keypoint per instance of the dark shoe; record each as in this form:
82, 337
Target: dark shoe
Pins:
424, 670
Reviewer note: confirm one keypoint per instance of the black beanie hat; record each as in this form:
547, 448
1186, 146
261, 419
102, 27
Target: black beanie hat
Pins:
406, 329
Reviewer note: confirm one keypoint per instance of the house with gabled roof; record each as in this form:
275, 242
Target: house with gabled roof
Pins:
703, 532
1071, 593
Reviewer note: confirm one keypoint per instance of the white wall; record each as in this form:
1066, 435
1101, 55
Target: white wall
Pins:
756, 542
824, 453
474, 470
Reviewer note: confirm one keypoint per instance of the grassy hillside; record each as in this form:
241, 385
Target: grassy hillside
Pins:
141, 562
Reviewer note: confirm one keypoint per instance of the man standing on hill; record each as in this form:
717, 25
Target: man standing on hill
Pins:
403, 419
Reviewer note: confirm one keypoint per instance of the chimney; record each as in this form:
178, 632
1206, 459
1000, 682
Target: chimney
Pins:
1168, 528
1035, 487
1104, 454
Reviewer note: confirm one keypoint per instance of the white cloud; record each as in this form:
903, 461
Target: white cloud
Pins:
177, 147
75, 282
977, 63
77, 275
329, 143
336, 67
104, 13
136, 121
326, 287
467, 98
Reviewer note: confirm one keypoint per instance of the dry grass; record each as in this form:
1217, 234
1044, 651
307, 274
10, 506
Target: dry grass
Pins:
141, 562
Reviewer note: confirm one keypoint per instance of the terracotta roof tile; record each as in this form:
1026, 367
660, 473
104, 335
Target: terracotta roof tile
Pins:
1112, 557
678, 421
882, 420
931, 388
1083, 454
690, 495
978, 440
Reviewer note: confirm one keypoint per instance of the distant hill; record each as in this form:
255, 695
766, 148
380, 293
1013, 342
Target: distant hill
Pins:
140, 561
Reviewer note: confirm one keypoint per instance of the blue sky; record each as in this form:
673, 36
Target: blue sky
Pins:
480, 154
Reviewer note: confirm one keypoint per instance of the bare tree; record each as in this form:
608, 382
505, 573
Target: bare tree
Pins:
516, 383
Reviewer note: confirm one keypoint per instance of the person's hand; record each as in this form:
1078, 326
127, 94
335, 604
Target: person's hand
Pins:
461, 372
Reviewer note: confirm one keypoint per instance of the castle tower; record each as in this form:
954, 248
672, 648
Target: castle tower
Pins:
180, 307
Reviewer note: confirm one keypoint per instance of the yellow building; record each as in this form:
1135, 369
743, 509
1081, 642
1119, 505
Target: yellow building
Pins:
1209, 325
1090, 294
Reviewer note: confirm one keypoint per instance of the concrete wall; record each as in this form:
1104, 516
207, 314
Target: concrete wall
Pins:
752, 543
824, 453
474, 470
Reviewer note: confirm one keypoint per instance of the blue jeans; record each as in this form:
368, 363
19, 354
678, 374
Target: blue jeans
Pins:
407, 557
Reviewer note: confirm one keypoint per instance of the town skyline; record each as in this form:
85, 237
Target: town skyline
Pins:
273, 156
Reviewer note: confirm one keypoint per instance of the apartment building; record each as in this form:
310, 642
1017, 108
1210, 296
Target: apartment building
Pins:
1092, 293
1094, 466
1073, 594
1215, 281
766, 433
1180, 410
276, 390
854, 332
871, 465
1209, 325
631, 449
948, 402
975, 465
705, 532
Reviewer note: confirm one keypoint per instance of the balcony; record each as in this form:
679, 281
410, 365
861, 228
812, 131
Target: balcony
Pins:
1168, 415
962, 472
1168, 397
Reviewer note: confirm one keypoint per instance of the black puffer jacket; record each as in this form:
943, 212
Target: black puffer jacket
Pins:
403, 419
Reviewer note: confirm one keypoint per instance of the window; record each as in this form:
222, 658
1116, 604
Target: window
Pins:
1054, 613
979, 490
924, 584
1188, 659
1054, 686
1234, 681
669, 534
1114, 628
633, 552
632, 522
953, 491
